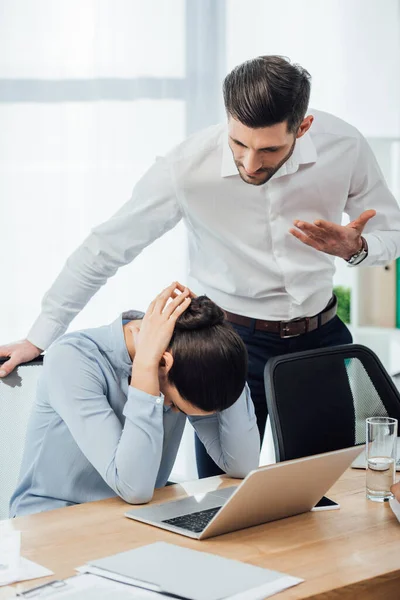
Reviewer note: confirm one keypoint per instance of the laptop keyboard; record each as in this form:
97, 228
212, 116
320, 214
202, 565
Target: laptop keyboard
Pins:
196, 521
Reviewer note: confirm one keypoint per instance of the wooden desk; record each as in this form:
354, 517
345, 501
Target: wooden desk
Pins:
352, 553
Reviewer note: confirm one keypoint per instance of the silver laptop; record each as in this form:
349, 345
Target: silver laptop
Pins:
361, 462
267, 494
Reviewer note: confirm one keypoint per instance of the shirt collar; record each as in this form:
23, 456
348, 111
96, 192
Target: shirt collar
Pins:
121, 357
304, 153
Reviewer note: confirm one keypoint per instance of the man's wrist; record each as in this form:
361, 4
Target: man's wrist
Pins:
355, 251
358, 256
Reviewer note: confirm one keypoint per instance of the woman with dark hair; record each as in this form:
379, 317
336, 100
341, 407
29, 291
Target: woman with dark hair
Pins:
112, 403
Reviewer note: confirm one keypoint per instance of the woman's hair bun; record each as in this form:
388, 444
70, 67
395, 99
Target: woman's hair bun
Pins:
201, 313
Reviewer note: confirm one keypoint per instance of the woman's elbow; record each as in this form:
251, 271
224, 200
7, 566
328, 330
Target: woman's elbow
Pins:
242, 466
240, 471
137, 495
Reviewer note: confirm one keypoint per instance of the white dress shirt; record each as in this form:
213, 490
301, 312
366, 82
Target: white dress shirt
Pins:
241, 251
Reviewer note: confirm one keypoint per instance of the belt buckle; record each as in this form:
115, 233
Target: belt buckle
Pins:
283, 328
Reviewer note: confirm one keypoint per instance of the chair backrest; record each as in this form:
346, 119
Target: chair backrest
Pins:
318, 400
17, 395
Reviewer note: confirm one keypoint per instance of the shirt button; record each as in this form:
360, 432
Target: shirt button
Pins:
159, 400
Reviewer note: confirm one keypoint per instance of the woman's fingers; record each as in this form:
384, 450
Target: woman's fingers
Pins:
151, 307
180, 309
182, 299
174, 292
181, 288
162, 298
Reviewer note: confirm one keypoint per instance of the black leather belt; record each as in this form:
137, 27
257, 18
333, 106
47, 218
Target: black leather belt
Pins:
288, 329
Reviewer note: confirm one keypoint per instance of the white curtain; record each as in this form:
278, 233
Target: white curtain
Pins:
90, 96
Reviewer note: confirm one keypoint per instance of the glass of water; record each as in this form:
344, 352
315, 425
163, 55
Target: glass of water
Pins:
381, 457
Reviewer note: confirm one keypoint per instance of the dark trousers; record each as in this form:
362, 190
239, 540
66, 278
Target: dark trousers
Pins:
262, 346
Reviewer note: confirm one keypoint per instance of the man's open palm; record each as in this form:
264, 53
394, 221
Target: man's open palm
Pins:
339, 240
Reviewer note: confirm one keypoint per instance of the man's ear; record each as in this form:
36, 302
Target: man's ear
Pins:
304, 126
166, 362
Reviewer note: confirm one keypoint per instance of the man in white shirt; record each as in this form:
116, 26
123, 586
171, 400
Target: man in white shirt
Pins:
262, 199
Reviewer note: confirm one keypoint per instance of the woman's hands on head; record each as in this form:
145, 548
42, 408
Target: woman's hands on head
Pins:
155, 333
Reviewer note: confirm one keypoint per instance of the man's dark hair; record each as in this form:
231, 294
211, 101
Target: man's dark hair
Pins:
210, 358
267, 90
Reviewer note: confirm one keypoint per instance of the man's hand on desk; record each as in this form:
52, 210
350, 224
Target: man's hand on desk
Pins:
339, 240
17, 353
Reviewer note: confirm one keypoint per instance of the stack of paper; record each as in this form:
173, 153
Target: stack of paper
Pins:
190, 574
28, 570
88, 587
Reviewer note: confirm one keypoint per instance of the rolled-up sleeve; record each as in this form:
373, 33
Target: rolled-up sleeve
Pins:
231, 436
126, 456
152, 211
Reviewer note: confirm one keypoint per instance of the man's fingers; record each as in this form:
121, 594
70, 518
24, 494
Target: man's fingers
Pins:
9, 365
305, 238
311, 230
5, 351
362, 220
328, 227
17, 353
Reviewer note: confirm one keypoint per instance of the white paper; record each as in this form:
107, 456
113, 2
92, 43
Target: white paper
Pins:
395, 506
269, 589
29, 570
259, 593
117, 577
91, 587
93, 583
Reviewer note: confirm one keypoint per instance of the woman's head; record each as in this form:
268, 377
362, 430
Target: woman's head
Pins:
209, 359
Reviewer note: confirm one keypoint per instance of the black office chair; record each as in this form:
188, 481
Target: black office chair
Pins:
17, 395
318, 400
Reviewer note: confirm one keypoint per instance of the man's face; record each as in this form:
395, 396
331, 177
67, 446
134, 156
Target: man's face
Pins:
259, 153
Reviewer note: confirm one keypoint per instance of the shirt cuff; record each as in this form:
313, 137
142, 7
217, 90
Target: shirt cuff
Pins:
375, 251
44, 332
141, 404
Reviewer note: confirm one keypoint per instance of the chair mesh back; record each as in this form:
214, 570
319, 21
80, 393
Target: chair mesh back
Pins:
17, 395
366, 400
318, 400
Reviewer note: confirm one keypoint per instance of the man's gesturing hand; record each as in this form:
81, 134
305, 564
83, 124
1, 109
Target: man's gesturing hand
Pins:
17, 353
338, 240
